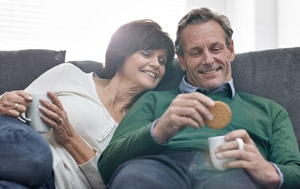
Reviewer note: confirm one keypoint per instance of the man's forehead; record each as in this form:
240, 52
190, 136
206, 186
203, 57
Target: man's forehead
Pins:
206, 33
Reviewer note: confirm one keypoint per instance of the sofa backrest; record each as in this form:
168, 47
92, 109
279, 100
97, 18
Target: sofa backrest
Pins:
19, 68
274, 74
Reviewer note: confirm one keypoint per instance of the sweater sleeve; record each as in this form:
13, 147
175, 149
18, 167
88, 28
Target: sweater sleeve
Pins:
132, 138
284, 140
91, 172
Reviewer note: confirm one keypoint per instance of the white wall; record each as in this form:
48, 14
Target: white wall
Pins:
288, 27
259, 24
83, 27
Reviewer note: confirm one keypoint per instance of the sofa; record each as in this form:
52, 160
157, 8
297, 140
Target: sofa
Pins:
274, 74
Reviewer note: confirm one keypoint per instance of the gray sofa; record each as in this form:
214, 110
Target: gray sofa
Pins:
274, 74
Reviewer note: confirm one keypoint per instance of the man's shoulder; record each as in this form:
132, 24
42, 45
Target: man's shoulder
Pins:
251, 96
257, 99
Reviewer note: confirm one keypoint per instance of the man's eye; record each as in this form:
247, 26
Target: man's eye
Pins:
216, 50
195, 53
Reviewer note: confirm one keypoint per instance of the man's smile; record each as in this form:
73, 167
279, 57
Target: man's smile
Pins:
209, 71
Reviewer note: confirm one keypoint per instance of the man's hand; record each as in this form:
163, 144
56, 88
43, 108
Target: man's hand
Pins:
250, 159
185, 110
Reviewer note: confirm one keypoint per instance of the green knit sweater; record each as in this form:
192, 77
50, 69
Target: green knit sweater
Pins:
267, 123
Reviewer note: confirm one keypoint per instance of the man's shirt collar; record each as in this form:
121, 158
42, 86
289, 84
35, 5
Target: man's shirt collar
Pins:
184, 87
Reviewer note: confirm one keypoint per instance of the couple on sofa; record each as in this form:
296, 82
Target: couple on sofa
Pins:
164, 133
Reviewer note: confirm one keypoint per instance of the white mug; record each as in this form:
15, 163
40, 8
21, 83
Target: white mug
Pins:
213, 143
32, 114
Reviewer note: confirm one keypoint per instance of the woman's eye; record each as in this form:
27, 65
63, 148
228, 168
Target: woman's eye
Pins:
145, 53
162, 61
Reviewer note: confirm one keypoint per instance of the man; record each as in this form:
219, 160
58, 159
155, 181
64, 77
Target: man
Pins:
162, 141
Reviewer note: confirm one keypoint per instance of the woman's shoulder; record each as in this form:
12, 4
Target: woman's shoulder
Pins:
66, 67
65, 70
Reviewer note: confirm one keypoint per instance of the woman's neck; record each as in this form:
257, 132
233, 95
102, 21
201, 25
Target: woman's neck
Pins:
116, 96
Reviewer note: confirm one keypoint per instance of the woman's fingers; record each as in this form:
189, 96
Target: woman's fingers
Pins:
15, 102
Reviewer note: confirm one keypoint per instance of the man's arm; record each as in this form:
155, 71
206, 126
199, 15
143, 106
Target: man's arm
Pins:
132, 137
285, 151
275, 143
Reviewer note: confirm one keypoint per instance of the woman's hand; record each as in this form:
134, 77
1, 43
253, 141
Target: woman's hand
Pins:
56, 117
15, 102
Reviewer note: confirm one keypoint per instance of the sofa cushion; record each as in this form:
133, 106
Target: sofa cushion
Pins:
172, 77
89, 66
19, 68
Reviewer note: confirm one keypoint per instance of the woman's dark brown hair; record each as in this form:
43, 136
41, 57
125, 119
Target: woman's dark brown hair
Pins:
132, 37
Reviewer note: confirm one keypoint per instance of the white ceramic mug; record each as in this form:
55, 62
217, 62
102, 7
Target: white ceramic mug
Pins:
213, 143
32, 114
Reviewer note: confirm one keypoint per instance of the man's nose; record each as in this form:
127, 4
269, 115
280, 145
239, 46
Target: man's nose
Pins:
207, 58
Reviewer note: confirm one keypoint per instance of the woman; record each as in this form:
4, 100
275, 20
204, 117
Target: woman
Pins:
86, 110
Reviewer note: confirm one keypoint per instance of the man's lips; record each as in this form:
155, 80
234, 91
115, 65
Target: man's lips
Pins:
209, 71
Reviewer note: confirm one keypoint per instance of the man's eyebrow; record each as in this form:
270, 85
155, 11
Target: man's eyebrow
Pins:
217, 44
194, 48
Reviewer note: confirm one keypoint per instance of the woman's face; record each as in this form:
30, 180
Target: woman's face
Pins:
144, 69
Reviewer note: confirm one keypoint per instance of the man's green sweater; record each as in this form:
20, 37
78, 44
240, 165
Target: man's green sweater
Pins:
267, 123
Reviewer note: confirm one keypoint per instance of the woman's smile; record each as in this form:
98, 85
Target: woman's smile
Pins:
149, 73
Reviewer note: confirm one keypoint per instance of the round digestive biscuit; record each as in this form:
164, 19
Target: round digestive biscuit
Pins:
222, 115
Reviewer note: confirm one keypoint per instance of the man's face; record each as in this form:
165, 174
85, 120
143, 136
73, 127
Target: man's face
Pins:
207, 59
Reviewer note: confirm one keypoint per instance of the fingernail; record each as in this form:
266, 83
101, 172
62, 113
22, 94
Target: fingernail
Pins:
226, 137
210, 117
219, 155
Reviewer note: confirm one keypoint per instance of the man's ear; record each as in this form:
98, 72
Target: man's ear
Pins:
232, 50
181, 62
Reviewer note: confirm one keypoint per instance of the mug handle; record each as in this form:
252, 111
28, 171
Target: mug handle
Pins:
24, 118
